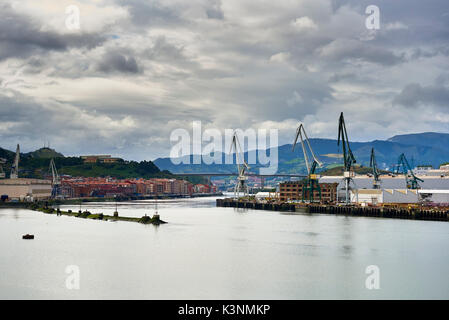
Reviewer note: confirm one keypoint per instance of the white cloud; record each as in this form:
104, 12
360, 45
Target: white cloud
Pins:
280, 57
304, 23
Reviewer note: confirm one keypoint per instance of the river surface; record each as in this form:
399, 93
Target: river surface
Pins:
206, 252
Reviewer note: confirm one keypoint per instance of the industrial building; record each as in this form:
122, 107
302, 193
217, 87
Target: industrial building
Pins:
443, 171
25, 189
292, 191
379, 196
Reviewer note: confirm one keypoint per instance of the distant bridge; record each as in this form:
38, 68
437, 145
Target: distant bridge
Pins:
214, 174
262, 176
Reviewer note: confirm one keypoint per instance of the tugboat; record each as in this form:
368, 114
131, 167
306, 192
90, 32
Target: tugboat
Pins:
28, 236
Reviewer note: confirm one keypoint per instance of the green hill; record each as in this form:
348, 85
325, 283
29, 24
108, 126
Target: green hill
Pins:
338, 171
45, 153
120, 170
36, 165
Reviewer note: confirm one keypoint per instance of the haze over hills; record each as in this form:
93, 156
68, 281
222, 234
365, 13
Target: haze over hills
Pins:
428, 148
420, 148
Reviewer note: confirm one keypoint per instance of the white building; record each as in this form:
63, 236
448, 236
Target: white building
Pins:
378, 196
22, 188
266, 195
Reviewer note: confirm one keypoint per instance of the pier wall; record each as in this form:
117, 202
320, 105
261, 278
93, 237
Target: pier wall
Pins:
434, 214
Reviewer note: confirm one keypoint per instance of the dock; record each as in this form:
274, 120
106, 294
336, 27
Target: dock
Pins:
413, 213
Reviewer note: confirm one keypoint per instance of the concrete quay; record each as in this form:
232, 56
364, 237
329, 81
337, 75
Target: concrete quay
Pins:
414, 213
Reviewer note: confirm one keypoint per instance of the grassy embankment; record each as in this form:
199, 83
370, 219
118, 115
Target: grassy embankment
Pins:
97, 216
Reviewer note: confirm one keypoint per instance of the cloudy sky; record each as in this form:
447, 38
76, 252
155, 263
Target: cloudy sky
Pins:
135, 70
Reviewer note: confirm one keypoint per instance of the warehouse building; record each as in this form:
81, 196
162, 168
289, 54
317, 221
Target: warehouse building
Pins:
378, 196
292, 191
25, 189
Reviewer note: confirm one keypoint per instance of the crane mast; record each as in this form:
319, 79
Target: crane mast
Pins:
241, 186
312, 181
15, 166
411, 180
373, 165
348, 156
56, 181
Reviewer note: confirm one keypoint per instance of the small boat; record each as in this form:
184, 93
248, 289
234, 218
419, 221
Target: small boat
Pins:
28, 236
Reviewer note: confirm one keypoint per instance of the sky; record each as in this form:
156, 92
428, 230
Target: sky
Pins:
136, 70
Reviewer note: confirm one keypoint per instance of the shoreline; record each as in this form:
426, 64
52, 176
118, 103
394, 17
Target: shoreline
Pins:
155, 220
24, 204
46, 208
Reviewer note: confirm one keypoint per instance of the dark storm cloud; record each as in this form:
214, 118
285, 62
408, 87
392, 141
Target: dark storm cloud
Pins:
423, 22
344, 49
21, 36
118, 62
414, 94
230, 64
215, 12
154, 13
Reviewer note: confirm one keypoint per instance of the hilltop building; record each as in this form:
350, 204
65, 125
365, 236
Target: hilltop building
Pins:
104, 158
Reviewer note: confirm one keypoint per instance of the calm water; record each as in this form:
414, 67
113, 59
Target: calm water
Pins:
220, 253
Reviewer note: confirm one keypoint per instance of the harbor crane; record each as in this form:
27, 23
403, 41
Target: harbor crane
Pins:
56, 180
410, 178
312, 181
241, 186
15, 166
348, 156
373, 165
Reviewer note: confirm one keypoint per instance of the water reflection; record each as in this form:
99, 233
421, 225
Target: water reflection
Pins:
206, 252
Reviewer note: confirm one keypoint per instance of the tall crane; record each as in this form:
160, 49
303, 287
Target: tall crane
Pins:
312, 181
373, 165
348, 156
410, 178
56, 181
241, 186
15, 166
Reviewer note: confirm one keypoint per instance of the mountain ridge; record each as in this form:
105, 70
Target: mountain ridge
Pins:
387, 153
